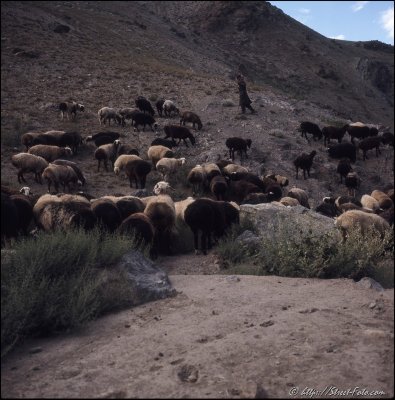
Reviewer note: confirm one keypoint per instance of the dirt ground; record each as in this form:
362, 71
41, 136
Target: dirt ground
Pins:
220, 337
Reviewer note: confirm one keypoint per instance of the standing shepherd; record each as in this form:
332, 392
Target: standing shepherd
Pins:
244, 99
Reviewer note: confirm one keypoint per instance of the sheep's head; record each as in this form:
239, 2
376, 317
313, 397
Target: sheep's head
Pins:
80, 107
181, 161
26, 191
162, 187
68, 151
117, 143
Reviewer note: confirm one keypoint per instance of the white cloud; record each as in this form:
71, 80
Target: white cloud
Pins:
387, 22
339, 37
304, 10
359, 5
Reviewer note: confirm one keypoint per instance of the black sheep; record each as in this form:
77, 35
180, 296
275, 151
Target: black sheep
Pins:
352, 181
163, 142
249, 177
209, 217
127, 149
219, 187
310, 127
343, 168
304, 161
144, 105
107, 214
137, 171
258, 198
332, 132
328, 207
361, 132
159, 106
369, 143
238, 190
143, 119
129, 206
140, 226
387, 138
189, 116
101, 138
179, 132
343, 150
238, 144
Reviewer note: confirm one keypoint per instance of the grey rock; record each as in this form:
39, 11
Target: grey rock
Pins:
148, 281
369, 283
296, 222
233, 278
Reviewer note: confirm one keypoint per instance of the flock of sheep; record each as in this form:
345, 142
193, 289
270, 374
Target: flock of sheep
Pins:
218, 188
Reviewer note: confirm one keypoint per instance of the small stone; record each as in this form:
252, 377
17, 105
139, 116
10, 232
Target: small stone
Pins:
372, 305
267, 323
233, 278
36, 350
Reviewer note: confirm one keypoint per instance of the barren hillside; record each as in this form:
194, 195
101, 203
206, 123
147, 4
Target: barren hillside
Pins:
115, 51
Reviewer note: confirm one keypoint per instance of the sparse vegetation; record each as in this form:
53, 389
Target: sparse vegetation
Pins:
60, 280
313, 257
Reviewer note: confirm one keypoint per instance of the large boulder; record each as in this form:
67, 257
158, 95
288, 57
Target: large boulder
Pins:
295, 222
150, 282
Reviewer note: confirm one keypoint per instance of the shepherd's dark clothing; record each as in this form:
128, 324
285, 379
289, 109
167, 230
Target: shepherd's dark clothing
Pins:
245, 101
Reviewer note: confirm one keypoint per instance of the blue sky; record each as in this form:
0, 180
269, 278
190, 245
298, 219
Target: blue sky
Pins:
345, 20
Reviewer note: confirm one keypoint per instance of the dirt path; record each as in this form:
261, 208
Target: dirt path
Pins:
220, 337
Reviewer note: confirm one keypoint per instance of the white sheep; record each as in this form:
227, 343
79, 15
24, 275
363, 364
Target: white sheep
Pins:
50, 153
350, 220
167, 166
300, 195
383, 199
26, 162
64, 174
289, 201
155, 153
162, 188
63, 212
169, 107
180, 207
196, 177
370, 203
230, 168
108, 114
107, 152
122, 160
70, 109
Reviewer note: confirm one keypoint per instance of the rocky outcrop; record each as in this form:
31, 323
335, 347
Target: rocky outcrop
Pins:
296, 222
147, 281
376, 72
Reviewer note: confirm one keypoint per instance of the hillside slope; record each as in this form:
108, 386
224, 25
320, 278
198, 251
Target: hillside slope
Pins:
115, 51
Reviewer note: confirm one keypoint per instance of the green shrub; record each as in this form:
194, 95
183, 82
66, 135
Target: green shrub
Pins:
58, 281
312, 256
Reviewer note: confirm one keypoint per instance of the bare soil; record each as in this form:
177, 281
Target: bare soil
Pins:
220, 337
